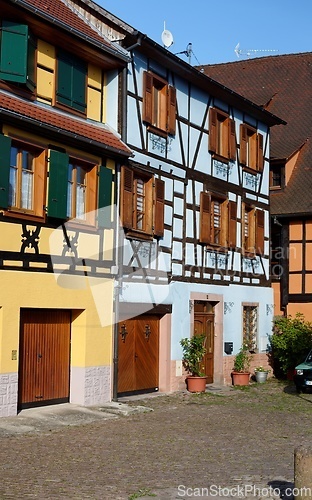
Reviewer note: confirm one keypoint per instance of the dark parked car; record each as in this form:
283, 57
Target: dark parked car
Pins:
303, 374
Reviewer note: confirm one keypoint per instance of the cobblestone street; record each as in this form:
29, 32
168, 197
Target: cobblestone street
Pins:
180, 443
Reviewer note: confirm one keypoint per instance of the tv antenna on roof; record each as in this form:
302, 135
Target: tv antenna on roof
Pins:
166, 37
188, 52
249, 52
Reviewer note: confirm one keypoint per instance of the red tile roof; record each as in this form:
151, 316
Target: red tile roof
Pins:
42, 116
283, 85
58, 11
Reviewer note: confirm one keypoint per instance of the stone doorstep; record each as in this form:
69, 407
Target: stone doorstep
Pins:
117, 408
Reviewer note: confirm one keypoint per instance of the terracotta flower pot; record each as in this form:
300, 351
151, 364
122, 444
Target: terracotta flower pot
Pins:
240, 378
196, 384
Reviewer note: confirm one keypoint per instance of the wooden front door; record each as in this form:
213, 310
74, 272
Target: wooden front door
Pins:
138, 354
204, 323
44, 360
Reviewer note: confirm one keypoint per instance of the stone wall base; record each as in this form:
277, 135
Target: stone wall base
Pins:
90, 386
8, 394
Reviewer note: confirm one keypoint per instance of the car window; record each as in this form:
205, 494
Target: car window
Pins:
309, 357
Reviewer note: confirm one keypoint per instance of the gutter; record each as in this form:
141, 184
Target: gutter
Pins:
119, 240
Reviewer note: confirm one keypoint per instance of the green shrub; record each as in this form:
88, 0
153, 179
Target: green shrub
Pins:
290, 342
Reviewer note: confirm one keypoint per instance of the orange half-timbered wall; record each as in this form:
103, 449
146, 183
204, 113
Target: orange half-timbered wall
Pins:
300, 268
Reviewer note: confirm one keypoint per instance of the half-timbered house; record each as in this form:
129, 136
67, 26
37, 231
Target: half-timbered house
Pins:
58, 154
282, 84
194, 209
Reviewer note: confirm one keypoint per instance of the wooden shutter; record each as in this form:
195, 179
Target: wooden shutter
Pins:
232, 139
71, 82
259, 152
243, 145
260, 232
212, 130
13, 55
232, 207
171, 127
205, 218
159, 207
148, 98
58, 184
127, 197
105, 197
5, 153
79, 85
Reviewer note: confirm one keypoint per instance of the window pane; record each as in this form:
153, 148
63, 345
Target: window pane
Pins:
27, 160
139, 204
69, 211
13, 177
216, 221
80, 193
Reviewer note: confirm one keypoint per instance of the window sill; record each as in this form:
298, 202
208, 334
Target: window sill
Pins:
157, 131
251, 170
216, 248
12, 214
137, 235
220, 158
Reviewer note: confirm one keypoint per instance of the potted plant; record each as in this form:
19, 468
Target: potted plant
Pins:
194, 351
261, 374
240, 373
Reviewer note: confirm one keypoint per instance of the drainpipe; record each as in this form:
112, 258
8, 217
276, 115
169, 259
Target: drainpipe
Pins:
119, 239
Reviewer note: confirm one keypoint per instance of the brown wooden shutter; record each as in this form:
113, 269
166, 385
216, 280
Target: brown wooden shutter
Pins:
205, 218
259, 152
171, 126
243, 144
212, 130
127, 197
148, 98
159, 207
260, 232
232, 224
232, 140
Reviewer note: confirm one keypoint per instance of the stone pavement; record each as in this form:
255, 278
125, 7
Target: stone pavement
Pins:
227, 443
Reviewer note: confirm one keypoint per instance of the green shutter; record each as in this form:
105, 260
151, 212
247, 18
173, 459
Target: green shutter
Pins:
58, 182
5, 153
105, 197
31, 67
13, 53
71, 82
64, 80
79, 86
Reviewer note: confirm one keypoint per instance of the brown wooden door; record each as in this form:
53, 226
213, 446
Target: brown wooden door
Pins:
138, 354
44, 360
204, 323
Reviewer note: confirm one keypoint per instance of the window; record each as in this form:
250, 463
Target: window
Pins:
17, 54
75, 188
73, 192
277, 175
253, 230
71, 82
251, 148
217, 221
250, 326
142, 203
159, 104
222, 141
76, 191
22, 176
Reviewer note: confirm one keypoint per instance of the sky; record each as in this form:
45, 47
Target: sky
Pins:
214, 28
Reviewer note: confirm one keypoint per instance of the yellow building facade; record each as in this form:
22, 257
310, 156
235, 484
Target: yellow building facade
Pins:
58, 161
